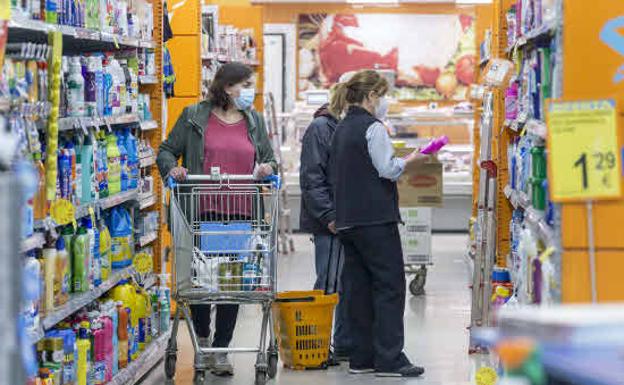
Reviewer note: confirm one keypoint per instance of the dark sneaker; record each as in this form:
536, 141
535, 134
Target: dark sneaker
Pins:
406, 371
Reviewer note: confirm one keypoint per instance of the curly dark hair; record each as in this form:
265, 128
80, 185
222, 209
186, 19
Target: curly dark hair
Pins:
228, 75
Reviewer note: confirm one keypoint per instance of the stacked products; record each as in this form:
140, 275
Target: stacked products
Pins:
128, 18
92, 346
78, 261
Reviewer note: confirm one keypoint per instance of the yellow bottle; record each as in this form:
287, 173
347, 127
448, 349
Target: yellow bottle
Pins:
125, 293
84, 352
105, 251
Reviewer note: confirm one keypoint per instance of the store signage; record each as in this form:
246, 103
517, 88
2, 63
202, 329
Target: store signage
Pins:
612, 36
583, 150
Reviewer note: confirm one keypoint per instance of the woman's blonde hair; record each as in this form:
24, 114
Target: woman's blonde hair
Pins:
356, 90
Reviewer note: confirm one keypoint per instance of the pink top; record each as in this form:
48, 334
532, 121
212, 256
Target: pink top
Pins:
228, 146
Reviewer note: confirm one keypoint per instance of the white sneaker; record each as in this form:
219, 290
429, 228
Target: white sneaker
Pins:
207, 360
222, 365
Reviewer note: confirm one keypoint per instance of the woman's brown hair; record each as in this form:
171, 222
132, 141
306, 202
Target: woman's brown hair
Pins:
356, 90
228, 75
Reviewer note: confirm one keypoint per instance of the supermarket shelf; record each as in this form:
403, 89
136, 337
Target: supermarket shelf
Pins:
148, 238
147, 161
36, 241
18, 22
118, 199
226, 59
137, 369
540, 33
79, 301
147, 125
519, 199
147, 201
148, 79
71, 123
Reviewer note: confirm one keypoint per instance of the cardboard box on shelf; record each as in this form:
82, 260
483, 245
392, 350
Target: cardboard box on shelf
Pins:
421, 185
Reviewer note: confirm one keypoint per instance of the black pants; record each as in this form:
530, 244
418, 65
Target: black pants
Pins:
375, 275
224, 325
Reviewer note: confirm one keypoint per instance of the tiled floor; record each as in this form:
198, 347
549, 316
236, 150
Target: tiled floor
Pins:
436, 335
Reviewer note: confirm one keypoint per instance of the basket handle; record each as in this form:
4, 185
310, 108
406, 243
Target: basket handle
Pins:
291, 300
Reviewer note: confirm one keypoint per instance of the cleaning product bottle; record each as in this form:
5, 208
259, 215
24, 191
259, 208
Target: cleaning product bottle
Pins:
125, 293
95, 277
164, 311
99, 350
121, 230
114, 164
105, 251
31, 282
84, 354
97, 271
141, 308
64, 174
62, 271
90, 96
102, 164
49, 257
114, 314
88, 193
81, 261
133, 159
123, 161
75, 88
435, 145
67, 233
76, 156
122, 335
99, 84
108, 91
148, 316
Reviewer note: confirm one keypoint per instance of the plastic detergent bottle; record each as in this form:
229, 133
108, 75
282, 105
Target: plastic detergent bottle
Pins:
31, 289
105, 251
114, 315
133, 159
121, 229
99, 350
81, 262
107, 88
49, 257
68, 236
90, 96
84, 354
114, 164
102, 164
75, 88
62, 271
99, 84
123, 161
148, 316
88, 171
122, 335
94, 271
40, 201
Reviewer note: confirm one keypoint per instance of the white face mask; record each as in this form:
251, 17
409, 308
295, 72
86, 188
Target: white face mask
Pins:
381, 111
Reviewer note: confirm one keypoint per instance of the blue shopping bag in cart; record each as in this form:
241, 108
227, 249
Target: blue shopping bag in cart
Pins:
225, 241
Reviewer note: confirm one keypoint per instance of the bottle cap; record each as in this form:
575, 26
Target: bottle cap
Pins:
60, 243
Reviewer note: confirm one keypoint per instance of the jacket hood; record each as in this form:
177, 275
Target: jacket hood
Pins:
324, 111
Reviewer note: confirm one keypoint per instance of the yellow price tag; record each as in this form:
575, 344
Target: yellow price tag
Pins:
62, 212
486, 376
143, 263
584, 152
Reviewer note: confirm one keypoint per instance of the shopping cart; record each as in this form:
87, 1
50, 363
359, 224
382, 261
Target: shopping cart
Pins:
224, 230
415, 233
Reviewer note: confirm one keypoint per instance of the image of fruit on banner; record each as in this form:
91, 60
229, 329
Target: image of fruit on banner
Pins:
122, 241
431, 55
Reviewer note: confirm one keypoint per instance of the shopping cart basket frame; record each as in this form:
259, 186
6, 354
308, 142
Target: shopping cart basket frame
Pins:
224, 229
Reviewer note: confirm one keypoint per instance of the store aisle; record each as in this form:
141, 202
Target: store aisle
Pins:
435, 326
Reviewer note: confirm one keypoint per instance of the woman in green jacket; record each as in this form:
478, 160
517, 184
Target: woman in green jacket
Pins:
223, 131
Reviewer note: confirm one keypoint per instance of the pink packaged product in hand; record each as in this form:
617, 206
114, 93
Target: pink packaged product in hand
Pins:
435, 145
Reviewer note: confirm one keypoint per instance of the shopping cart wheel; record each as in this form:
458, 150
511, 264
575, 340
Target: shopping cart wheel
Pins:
170, 365
261, 376
199, 378
273, 358
417, 285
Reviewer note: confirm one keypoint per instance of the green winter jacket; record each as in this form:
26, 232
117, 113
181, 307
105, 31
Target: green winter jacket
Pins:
186, 140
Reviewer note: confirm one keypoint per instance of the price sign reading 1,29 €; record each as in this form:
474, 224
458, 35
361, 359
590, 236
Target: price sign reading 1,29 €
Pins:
584, 154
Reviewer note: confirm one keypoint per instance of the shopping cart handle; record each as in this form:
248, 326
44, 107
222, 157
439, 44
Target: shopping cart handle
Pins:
171, 183
290, 300
275, 180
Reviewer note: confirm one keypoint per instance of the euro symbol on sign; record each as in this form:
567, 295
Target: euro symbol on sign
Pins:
611, 36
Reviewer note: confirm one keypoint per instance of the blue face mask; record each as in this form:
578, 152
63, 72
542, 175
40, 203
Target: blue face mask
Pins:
246, 98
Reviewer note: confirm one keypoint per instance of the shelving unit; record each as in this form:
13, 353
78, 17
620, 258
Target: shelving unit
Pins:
78, 41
